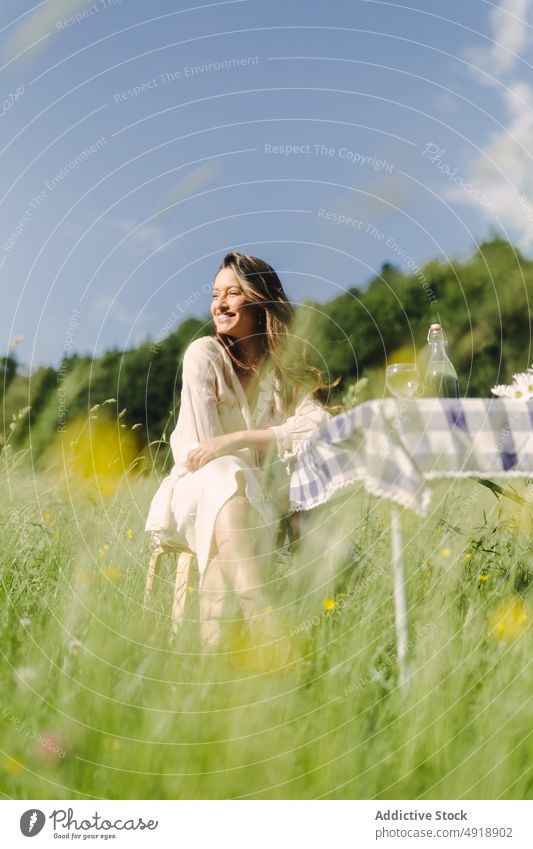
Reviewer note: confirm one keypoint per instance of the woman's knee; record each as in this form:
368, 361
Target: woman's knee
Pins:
237, 506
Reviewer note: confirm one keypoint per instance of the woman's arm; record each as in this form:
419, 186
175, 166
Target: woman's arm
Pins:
198, 417
308, 415
216, 446
199, 423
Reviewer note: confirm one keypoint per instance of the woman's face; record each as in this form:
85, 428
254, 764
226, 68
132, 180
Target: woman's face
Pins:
232, 313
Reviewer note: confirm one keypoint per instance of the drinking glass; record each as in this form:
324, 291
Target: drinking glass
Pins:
403, 380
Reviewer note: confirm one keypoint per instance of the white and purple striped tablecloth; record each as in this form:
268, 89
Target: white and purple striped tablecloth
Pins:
394, 447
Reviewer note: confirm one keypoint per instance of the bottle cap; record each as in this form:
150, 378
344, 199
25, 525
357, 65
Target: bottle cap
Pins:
434, 330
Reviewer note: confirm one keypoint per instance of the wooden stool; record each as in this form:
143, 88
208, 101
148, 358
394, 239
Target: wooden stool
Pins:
185, 566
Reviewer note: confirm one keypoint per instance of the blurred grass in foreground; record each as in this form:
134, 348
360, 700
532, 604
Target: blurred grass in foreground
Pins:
97, 701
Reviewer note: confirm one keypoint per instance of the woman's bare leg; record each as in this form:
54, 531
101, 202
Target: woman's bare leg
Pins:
235, 565
212, 604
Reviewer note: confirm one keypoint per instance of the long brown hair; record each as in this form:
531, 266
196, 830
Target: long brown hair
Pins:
275, 317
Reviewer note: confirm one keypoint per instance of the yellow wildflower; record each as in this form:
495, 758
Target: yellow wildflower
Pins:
509, 620
130, 533
329, 604
446, 552
262, 647
111, 573
483, 578
57, 536
98, 455
12, 766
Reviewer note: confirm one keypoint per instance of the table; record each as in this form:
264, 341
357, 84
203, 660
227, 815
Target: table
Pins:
396, 448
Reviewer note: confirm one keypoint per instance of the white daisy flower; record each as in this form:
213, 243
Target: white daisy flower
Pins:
521, 389
502, 391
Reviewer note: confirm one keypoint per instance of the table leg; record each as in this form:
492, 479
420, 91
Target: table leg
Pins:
400, 593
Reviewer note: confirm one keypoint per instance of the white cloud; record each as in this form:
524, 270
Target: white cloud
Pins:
503, 170
16, 340
35, 30
510, 35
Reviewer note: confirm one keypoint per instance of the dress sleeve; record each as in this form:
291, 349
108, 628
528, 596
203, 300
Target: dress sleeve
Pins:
308, 415
198, 416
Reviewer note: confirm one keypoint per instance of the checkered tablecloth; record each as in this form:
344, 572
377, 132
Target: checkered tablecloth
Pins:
394, 447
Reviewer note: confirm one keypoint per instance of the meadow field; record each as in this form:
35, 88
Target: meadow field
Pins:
98, 700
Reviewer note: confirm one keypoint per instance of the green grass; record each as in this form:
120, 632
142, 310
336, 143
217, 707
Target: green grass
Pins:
97, 702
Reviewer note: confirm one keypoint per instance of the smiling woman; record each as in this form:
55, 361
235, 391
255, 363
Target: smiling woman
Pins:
243, 412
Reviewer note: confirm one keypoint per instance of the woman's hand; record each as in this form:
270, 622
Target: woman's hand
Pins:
207, 449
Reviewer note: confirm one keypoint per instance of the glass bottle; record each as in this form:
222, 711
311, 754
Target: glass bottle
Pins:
441, 377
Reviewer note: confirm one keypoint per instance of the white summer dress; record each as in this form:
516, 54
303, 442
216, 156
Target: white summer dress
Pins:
213, 402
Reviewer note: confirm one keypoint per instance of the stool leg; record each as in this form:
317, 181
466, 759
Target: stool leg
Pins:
153, 570
183, 573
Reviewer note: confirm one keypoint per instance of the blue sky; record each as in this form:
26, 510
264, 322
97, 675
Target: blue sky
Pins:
140, 142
